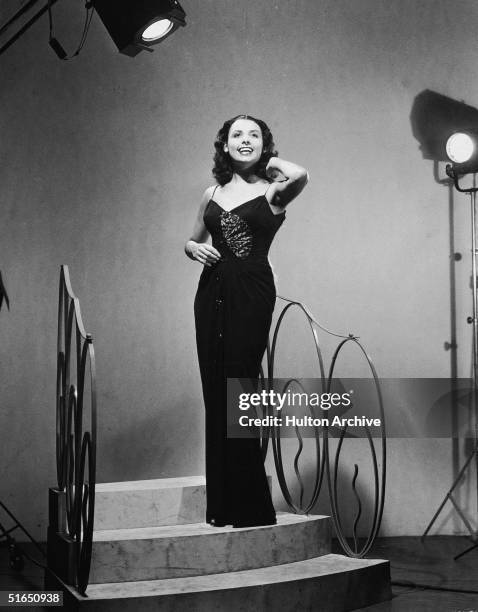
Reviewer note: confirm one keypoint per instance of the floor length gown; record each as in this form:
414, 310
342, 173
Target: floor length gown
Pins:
233, 312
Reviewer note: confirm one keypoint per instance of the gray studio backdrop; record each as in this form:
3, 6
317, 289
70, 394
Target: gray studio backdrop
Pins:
103, 161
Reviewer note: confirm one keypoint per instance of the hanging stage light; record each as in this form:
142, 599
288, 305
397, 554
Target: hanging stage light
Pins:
136, 25
462, 150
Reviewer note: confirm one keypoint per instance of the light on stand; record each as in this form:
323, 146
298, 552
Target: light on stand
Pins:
447, 130
462, 150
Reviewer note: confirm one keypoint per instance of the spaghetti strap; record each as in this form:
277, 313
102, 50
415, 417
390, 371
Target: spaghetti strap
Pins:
265, 192
212, 196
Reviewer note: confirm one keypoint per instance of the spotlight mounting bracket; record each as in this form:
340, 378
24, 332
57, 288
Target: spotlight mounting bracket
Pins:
452, 172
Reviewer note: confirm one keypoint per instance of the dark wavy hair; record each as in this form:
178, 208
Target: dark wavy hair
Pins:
222, 170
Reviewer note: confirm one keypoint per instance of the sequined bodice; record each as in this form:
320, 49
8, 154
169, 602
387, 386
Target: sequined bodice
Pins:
244, 232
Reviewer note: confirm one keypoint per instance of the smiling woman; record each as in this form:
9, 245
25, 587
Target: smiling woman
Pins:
234, 304
244, 142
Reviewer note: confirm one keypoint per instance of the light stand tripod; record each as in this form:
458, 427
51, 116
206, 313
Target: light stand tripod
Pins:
451, 172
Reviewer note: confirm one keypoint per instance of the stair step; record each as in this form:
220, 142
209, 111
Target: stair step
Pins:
143, 503
148, 503
174, 551
329, 583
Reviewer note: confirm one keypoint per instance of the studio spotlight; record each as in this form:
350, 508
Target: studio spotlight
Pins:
136, 25
462, 150
460, 147
434, 117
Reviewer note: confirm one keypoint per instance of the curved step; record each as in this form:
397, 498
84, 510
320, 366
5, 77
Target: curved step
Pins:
197, 549
144, 503
329, 583
149, 503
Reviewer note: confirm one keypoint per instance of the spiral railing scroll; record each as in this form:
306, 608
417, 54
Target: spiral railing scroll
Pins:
323, 461
75, 441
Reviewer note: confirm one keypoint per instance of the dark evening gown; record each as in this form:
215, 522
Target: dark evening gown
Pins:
233, 312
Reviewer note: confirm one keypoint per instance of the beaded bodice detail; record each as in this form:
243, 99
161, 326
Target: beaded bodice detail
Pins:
237, 234
244, 232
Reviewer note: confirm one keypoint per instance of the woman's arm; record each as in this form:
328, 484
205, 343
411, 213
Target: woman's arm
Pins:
295, 179
196, 247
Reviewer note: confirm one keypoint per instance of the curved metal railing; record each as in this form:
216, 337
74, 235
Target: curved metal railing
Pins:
323, 461
75, 444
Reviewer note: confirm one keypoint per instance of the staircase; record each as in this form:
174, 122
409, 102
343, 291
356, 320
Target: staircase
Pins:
152, 550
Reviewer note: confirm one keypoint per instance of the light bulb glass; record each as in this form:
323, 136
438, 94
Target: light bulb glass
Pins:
460, 147
157, 30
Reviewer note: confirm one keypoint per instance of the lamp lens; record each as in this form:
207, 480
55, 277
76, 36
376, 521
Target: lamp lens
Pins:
460, 147
157, 30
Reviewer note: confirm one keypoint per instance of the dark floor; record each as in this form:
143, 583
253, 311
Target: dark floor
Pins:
421, 574
426, 578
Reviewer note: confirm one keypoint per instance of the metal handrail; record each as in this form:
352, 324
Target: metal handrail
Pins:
75, 444
323, 461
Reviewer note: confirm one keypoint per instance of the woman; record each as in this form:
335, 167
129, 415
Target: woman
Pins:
234, 303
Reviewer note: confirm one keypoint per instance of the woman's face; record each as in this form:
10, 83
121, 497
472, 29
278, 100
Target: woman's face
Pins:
244, 142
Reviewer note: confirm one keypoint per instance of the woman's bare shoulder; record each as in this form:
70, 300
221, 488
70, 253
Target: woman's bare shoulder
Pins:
209, 192
206, 196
